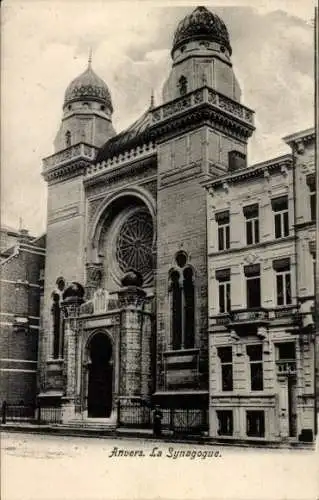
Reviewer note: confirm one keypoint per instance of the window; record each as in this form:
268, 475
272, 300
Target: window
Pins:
182, 84
286, 350
225, 422
255, 354
222, 219
255, 423
253, 295
283, 281
280, 209
236, 160
311, 182
223, 276
68, 139
182, 296
251, 214
226, 361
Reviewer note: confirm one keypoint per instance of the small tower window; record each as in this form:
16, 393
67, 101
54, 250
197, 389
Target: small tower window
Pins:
182, 85
102, 108
68, 139
69, 107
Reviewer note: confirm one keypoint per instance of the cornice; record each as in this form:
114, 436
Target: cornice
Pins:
122, 170
202, 105
303, 136
281, 164
68, 162
73, 169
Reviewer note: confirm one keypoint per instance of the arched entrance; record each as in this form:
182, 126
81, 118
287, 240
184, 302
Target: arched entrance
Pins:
100, 376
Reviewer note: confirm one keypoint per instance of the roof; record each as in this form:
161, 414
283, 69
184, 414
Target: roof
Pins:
201, 24
134, 135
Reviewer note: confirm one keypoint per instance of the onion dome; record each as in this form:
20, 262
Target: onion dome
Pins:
88, 86
201, 24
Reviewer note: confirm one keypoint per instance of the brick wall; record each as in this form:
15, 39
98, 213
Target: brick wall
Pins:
20, 296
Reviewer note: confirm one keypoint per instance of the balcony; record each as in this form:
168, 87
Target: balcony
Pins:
207, 96
286, 367
72, 153
245, 317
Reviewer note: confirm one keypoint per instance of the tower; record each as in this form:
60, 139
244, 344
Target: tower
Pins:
202, 131
86, 124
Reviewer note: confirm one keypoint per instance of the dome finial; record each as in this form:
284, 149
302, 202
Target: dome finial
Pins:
90, 58
152, 104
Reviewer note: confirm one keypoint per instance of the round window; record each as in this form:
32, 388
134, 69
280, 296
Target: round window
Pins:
133, 246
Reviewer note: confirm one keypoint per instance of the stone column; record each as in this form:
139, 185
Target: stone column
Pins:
134, 351
71, 308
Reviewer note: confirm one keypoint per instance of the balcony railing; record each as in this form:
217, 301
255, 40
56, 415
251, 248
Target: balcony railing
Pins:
203, 95
80, 150
247, 316
286, 367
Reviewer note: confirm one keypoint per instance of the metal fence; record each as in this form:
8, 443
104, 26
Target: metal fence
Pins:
49, 415
29, 413
191, 421
17, 413
185, 420
134, 415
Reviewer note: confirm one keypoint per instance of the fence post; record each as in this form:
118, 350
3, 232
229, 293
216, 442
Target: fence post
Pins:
118, 412
39, 412
171, 419
4, 412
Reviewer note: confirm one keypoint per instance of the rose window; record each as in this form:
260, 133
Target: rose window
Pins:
134, 243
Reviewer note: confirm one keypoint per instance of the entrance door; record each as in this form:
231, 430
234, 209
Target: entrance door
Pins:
100, 377
292, 407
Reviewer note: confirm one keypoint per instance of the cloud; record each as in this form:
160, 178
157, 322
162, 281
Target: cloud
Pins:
46, 44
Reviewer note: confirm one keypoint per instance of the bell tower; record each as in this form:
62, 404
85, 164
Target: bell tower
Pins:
200, 127
87, 112
201, 55
86, 125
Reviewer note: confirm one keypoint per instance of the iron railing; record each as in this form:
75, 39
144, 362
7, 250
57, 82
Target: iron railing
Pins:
286, 367
17, 412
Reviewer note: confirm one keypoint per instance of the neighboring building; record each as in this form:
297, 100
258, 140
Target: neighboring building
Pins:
127, 292
22, 269
261, 251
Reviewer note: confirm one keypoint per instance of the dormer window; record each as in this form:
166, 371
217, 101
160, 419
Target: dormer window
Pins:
68, 139
182, 85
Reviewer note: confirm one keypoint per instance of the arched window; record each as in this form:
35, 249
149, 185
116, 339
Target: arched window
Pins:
182, 301
182, 84
176, 298
68, 139
189, 307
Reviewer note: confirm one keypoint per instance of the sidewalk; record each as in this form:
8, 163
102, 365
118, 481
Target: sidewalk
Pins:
123, 432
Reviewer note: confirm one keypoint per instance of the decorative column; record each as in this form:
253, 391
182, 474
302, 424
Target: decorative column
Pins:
135, 366
72, 300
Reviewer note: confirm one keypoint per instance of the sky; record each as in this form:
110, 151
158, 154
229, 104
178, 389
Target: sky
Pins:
45, 44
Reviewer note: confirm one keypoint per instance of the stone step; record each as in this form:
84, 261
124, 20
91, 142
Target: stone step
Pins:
81, 424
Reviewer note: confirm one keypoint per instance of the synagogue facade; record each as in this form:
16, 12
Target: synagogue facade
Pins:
132, 253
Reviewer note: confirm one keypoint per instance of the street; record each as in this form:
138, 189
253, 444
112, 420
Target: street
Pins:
48, 467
